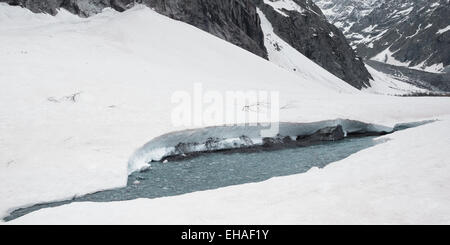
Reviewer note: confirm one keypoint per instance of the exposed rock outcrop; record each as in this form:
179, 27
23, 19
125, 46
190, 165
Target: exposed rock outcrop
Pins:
306, 29
325, 134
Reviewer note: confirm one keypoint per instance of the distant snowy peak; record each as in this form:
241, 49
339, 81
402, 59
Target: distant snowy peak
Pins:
406, 33
345, 13
409, 33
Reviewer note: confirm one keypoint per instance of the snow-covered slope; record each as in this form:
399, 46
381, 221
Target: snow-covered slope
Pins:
390, 85
284, 55
79, 96
287, 57
237, 22
301, 24
401, 181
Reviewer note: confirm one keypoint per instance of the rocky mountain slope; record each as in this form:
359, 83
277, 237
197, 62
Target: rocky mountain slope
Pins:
303, 26
299, 22
345, 13
408, 33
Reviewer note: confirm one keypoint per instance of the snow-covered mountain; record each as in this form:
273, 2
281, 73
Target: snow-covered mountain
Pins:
80, 97
408, 33
413, 34
345, 13
237, 21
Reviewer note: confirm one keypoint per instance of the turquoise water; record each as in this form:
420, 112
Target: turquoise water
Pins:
215, 170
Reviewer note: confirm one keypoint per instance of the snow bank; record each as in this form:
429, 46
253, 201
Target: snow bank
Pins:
232, 137
402, 181
80, 96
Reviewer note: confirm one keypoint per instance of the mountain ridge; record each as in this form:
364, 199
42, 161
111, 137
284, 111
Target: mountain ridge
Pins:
408, 33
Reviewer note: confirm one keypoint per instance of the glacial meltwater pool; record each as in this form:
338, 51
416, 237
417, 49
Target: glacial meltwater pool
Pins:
220, 169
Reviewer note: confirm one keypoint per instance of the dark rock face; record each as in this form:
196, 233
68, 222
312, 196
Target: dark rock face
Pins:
311, 34
82, 8
322, 135
278, 141
37, 6
237, 22
325, 134
233, 20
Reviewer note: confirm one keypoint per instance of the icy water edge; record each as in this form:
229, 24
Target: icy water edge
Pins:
220, 169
